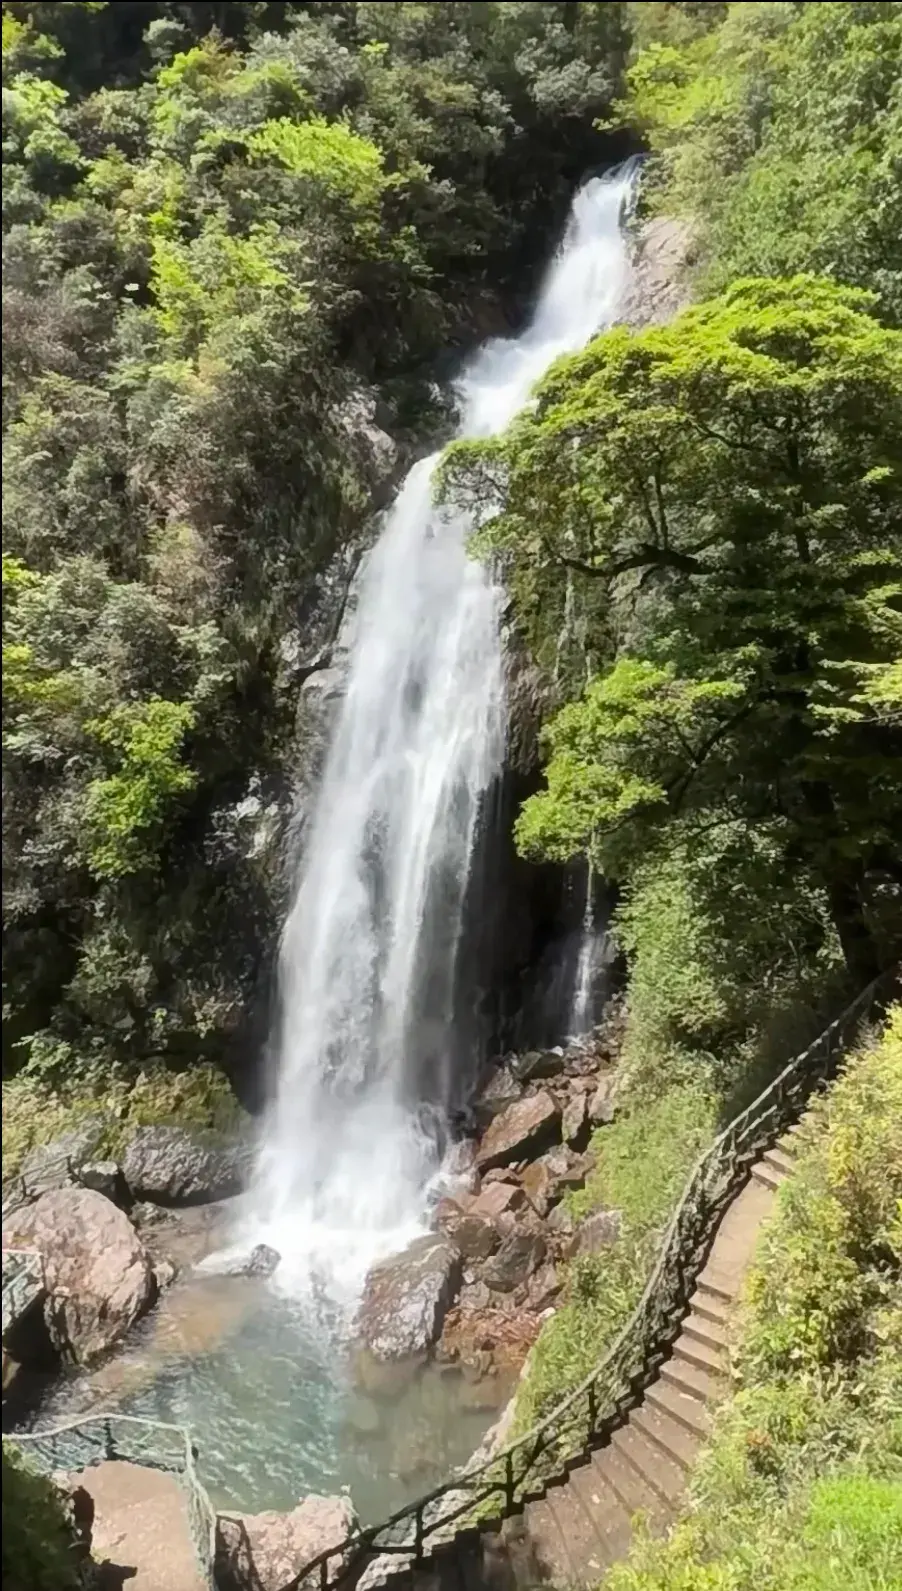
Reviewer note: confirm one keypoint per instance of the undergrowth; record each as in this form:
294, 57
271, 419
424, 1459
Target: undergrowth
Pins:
642, 1161
37, 1110
37, 1545
800, 1487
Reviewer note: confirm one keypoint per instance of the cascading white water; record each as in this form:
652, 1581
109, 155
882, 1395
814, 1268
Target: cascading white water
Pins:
371, 944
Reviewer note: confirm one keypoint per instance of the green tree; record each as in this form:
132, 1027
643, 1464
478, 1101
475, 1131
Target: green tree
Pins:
732, 484
777, 129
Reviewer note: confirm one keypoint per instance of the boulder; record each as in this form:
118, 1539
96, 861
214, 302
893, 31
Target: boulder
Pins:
54, 1165
519, 1255
264, 1552
558, 1160
494, 1199
596, 1232
575, 1119
501, 1090
561, 1221
105, 1176
97, 1273
169, 1165
601, 1110
544, 1288
406, 1297
447, 1215
261, 1260
538, 1064
539, 1186
519, 1131
578, 1170
475, 1237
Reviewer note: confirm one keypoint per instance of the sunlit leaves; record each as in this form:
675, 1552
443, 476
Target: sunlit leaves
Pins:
124, 810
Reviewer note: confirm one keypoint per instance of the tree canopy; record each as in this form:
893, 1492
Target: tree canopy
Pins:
732, 481
237, 239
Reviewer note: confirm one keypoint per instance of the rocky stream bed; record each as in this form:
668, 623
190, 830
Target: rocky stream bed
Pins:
126, 1313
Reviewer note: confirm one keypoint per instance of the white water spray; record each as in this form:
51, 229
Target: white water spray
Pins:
370, 947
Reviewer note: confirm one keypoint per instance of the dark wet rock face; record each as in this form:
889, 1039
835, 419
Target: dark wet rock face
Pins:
57, 1164
169, 1165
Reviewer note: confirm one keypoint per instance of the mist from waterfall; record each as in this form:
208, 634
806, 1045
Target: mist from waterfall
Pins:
371, 945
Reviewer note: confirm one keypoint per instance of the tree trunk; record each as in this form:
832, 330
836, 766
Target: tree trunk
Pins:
858, 946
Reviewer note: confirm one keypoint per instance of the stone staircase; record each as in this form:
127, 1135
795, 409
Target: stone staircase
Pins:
571, 1536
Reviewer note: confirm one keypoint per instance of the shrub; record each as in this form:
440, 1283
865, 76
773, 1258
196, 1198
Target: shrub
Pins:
37, 1544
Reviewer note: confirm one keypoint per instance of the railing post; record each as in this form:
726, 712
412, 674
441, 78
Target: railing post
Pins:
324, 1575
593, 1408
418, 1536
509, 1481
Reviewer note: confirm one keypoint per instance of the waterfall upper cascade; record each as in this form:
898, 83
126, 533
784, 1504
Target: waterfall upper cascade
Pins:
371, 945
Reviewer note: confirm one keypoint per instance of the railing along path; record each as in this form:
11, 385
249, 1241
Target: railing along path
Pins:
482, 1496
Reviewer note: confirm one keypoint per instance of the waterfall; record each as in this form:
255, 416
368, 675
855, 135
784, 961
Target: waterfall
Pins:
370, 947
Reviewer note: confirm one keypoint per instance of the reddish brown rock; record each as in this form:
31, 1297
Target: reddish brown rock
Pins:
494, 1199
475, 1237
601, 1110
544, 1288
97, 1272
520, 1129
519, 1255
539, 1186
575, 1119
263, 1552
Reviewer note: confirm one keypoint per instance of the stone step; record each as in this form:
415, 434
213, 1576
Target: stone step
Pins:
780, 1160
548, 1547
673, 1439
682, 1406
663, 1475
699, 1383
633, 1491
603, 1507
707, 1306
713, 1359
707, 1330
584, 1545
717, 1284
767, 1176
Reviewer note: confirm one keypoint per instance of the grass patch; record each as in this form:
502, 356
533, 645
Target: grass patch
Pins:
643, 1159
800, 1487
36, 1111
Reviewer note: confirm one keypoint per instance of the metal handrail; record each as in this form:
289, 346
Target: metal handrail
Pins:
99, 1440
605, 1396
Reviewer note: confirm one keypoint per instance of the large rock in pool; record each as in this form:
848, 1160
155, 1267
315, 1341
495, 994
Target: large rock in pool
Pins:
520, 1131
169, 1165
97, 1273
264, 1552
406, 1298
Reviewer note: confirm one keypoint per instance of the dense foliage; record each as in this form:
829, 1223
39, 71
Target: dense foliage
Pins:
801, 1484
237, 238
732, 481
705, 517
778, 129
